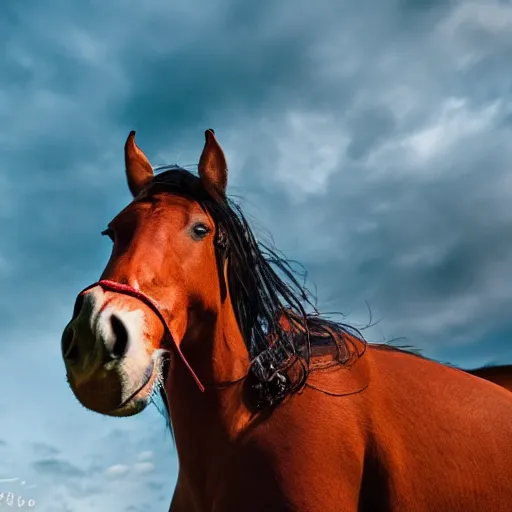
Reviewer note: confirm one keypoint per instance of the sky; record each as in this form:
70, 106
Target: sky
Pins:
373, 140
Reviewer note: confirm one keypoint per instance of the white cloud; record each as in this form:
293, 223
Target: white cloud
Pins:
143, 467
146, 455
311, 147
456, 124
118, 470
476, 30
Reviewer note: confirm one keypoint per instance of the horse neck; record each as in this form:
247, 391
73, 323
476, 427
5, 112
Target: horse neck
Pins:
205, 422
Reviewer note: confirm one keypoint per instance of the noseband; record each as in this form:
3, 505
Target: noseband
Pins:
124, 289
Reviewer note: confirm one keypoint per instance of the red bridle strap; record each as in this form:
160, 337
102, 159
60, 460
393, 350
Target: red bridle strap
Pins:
125, 289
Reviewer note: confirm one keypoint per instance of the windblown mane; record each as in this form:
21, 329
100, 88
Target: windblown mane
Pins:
264, 290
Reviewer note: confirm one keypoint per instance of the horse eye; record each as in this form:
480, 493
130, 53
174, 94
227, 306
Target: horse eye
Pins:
200, 230
108, 232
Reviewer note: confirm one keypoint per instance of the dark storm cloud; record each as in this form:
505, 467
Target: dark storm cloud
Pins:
45, 450
57, 468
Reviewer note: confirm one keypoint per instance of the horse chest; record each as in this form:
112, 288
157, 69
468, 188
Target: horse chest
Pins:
290, 476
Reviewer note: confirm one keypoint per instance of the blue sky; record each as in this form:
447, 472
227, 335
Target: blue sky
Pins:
371, 138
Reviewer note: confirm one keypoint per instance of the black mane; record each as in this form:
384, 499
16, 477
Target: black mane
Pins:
263, 288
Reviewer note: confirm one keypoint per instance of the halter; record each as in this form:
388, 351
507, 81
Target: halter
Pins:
125, 289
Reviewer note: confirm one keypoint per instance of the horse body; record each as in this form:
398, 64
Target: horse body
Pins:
405, 443
273, 409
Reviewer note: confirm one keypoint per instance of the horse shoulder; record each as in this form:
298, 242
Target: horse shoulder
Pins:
316, 444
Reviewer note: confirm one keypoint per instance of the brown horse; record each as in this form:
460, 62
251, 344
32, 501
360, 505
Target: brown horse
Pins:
274, 408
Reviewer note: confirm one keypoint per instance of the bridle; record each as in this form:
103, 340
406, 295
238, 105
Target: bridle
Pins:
125, 289
268, 373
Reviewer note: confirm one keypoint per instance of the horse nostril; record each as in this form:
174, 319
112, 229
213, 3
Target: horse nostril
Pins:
120, 337
69, 349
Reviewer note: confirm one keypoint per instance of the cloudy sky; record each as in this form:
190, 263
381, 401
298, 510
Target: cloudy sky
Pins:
372, 138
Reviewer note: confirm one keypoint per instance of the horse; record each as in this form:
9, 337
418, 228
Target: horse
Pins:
273, 406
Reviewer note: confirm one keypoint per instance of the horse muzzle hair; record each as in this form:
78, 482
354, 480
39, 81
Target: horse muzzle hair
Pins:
113, 365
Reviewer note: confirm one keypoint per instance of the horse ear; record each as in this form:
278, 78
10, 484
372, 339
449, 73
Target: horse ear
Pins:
138, 169
213, 169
